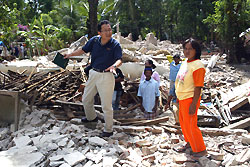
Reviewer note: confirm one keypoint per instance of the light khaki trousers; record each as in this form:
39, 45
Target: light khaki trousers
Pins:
103, 83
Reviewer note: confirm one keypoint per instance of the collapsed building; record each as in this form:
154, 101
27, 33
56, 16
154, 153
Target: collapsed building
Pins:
45, 123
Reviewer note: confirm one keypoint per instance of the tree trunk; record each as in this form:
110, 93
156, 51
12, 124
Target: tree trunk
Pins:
133, 18
93, 4
229, 32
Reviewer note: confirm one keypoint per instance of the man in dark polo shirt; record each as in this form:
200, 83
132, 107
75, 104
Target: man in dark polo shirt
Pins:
106, 54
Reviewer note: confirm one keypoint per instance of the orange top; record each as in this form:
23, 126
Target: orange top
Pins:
199, 76
190, 75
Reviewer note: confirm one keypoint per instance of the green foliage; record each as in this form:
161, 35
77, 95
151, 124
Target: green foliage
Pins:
230, 18
8, 23
54, 23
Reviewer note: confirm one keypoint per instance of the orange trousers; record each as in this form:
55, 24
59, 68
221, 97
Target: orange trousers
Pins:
190, 130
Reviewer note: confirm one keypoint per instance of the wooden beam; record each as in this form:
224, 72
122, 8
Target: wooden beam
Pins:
133, 97
239, 125
132, 129
130, 120
148, 122
208, 131
76, 95
31, 87
238, 103
32, 72
222, 131
99, 114
130, 115
130, 108
242, 111
213, 121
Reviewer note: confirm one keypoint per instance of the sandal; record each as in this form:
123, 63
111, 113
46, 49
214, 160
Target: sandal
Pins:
182, 148
200, 154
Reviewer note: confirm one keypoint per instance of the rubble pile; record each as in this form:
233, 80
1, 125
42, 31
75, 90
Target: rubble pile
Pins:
41, 88
51, 133
44, 141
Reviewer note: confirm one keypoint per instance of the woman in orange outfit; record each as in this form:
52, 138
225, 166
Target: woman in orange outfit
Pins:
189, 83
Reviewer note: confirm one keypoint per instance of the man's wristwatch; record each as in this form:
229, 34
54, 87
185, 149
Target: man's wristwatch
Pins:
114, 66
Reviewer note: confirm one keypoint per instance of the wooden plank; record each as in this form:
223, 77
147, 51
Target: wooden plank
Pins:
31, 87
130, 120
149, 122
83, 74
134, 98
235, 93
132, 129
242, 111
222, 132
239, 125
209, 131
130, 108
76, 76
238, 103
48, 83
99, 114
221, 110
76, 95
202, 121
32, 72
160, 58
66, 102
130, 115
172, 130
74, 104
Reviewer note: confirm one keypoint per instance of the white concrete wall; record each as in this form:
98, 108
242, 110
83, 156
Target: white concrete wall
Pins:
134, 70
131, 70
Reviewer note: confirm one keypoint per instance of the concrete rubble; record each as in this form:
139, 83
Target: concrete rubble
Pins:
61, 143
43, 140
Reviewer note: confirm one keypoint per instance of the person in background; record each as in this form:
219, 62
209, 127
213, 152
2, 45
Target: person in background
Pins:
155, 75
119, 77
16, 51
21, 51
149, 94
188, 84
174, 68
106, 55
3, 49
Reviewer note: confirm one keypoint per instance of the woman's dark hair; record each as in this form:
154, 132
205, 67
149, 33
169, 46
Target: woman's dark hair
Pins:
99, 27
195, 45
151, 63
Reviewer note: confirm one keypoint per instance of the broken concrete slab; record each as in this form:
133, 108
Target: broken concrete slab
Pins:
97, 141
74, 158
22, 141
21, 160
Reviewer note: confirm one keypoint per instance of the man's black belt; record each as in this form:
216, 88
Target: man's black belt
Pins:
98, 70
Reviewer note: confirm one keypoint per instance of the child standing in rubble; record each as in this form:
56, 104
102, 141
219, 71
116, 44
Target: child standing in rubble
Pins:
174, 68
188, 84
155, 75
149, 94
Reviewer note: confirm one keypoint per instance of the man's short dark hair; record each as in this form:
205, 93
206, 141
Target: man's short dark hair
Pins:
101, 23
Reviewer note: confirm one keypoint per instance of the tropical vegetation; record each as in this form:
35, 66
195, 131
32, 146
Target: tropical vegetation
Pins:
47, 25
